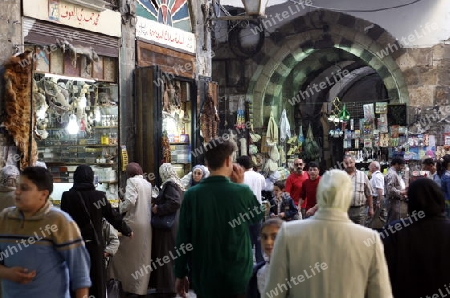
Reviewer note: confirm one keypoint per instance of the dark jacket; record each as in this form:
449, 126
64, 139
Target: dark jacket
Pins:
252, 291
287, 206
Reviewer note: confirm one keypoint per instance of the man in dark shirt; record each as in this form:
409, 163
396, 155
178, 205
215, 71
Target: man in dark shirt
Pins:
214, 219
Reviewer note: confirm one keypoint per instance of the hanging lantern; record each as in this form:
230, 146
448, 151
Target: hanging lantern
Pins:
344, 115
336, 110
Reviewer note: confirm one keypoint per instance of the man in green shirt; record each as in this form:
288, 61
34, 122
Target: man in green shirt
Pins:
214, 219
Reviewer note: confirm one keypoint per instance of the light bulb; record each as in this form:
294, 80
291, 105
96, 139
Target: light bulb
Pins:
72, 127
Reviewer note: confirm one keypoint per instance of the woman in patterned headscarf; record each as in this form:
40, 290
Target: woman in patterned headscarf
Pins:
168, 202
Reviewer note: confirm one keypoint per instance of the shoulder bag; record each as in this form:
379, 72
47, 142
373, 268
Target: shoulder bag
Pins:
163, 222
96, 238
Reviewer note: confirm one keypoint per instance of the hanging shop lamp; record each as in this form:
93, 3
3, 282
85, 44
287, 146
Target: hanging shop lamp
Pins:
255, 8
336, 110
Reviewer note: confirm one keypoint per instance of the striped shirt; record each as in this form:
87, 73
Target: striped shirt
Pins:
48, 242
361, 188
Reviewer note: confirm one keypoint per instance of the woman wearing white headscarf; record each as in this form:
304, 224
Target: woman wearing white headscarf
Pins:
338, 258
163, 245
198, 173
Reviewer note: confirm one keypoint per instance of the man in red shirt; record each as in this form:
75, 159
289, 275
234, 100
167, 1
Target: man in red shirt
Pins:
294, 184
309, 188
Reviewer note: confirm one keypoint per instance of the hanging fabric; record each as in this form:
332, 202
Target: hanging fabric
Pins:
285, 128
240, 114
272, 132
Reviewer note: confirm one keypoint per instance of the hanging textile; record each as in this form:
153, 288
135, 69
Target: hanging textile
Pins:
272, 132
311, 149
209, 119
19, 121
285, 128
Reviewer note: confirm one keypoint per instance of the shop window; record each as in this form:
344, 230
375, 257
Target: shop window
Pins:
77, 118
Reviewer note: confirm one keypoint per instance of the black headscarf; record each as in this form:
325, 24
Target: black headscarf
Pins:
83, 178
425, 195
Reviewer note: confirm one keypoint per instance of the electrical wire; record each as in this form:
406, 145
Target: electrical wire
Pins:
359, 10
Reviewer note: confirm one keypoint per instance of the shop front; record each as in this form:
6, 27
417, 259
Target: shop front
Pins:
74, 118
168, 97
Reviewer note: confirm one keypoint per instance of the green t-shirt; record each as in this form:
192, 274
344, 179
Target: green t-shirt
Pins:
214, 219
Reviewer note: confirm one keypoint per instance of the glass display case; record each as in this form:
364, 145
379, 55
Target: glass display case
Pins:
78, 123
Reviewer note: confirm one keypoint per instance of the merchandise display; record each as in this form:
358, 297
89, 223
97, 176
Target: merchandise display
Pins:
74, 120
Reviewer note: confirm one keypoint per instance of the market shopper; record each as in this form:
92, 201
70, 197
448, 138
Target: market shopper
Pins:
257, 283
214, 221
87, 206
396, 191
294, 184
257, 183
378, 220
194, 177
50, 259
325, 256
362, 192
134, 252
309, 189
168, 202
428, 164
417, 247
445, 183
282, 205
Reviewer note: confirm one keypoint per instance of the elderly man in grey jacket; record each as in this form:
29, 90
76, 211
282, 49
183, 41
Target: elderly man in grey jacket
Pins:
328, 255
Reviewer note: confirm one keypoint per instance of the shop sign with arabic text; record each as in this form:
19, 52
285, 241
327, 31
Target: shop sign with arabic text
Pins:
107, 22
165, 35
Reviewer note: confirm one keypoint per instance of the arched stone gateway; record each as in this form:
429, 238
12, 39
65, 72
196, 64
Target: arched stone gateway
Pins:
289, 47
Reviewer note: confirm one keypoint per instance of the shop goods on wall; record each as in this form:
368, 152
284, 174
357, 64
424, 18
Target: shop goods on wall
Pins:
209, 120
19, 118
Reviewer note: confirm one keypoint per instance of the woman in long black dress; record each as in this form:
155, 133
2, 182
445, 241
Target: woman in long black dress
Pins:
85, 204
168, 202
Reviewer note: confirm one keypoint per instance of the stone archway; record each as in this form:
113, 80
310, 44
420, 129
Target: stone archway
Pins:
322, 29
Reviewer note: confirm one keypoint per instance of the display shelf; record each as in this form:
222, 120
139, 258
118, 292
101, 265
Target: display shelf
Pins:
179, 143
59, 163
83, 146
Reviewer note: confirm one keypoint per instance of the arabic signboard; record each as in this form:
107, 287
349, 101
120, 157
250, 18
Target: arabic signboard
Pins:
107, 22
165, 35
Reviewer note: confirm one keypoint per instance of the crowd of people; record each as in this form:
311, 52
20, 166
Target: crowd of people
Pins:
339, 234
